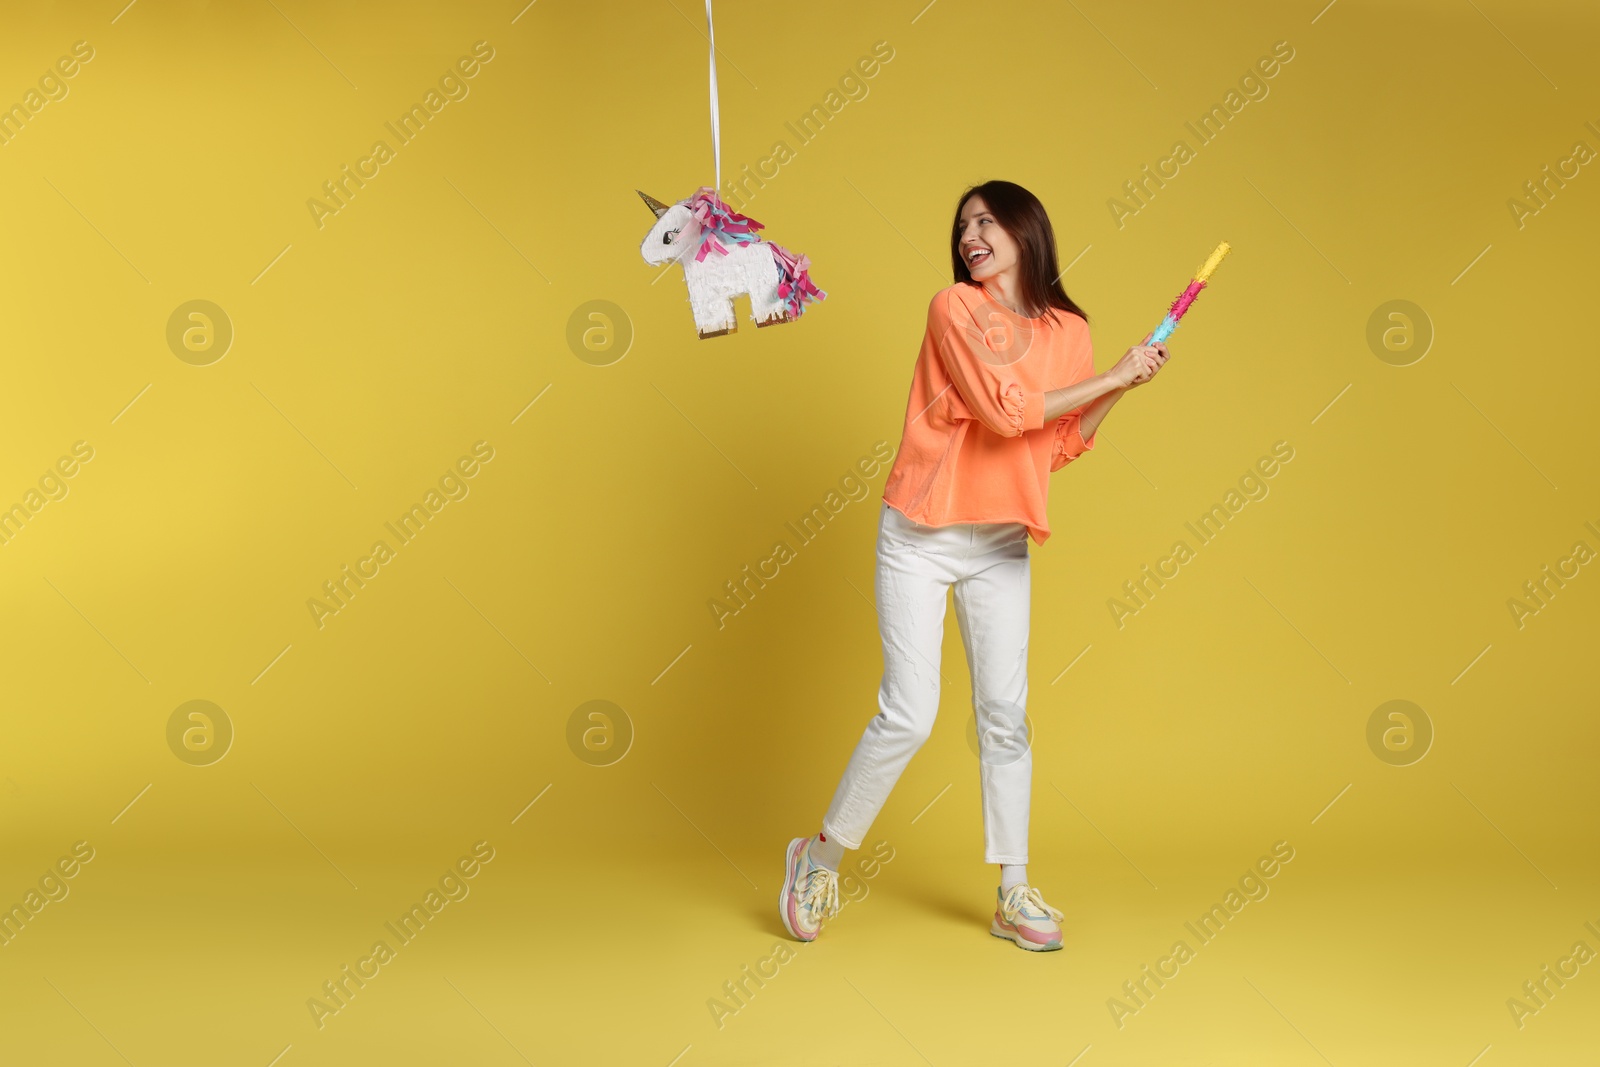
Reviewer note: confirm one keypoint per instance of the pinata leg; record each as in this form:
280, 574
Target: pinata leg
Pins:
701, 321
713, 312
768, 312
774, 316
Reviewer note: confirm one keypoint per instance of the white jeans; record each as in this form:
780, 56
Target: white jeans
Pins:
988, 565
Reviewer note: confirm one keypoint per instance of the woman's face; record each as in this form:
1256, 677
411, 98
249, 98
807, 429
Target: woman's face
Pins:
981, 236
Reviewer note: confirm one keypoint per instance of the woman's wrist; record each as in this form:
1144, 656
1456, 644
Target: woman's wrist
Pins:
1095, 413
1057, 402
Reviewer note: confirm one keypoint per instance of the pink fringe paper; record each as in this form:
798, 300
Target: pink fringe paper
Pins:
1187, 297
716, 225
794, 283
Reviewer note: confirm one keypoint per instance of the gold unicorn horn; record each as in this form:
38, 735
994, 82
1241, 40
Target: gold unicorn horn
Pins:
653, 204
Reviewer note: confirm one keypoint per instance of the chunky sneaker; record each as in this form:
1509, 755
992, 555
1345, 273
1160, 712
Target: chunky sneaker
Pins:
810, 893
1024, 917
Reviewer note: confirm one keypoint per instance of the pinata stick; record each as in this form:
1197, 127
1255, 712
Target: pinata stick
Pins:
1187, 297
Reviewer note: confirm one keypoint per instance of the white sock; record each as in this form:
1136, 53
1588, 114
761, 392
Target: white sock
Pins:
825, 852
1011, 874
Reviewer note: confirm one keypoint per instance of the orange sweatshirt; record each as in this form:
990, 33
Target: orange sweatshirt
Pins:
975, 447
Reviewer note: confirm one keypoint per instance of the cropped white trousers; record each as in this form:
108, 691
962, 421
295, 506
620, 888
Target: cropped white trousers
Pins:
988, 565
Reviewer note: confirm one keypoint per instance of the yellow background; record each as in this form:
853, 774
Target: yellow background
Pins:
433, 310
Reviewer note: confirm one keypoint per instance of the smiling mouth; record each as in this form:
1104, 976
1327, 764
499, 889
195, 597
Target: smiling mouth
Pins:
977, 255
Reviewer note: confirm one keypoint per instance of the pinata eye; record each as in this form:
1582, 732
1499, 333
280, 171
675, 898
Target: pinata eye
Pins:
669, 237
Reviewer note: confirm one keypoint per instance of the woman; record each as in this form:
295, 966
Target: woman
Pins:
1003, 393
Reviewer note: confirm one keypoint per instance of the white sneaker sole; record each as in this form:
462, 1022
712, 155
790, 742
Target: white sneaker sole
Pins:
1020, 941
784, 887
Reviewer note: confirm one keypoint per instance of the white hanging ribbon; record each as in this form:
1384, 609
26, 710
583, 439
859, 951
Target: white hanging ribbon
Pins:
716, 130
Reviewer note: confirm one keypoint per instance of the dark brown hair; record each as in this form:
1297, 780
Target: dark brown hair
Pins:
1021, 215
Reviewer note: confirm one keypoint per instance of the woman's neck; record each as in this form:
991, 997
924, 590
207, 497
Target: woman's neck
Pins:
1004, 288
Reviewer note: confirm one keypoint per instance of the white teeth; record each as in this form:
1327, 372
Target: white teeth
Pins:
975, 253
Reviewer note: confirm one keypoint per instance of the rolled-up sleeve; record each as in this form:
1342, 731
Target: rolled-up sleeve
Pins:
1069, 443
983, 374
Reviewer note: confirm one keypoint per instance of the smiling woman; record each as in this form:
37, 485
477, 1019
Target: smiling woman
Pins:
1003, 393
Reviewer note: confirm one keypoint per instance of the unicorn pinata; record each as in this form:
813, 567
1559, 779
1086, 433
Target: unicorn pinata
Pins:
722, 257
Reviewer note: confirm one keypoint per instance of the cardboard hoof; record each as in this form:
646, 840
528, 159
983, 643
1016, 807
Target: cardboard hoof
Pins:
780, 318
